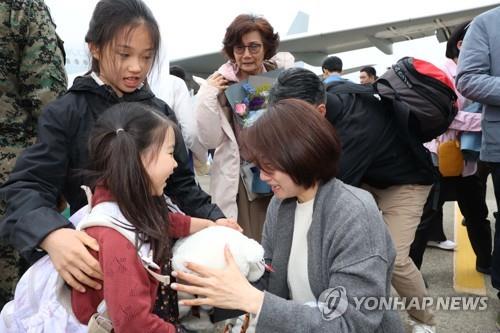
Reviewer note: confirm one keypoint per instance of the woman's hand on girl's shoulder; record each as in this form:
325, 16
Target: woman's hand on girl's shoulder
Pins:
198, 224
218, 81
68, 251
230, 223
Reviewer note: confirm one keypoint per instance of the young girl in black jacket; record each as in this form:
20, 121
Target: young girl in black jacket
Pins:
123, 39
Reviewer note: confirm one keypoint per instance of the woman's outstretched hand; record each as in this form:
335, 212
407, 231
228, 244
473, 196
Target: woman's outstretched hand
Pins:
67, 250
224, 288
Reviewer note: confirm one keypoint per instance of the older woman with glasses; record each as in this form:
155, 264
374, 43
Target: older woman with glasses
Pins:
250, 45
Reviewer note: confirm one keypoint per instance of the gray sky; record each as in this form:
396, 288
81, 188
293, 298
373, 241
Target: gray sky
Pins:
195, 27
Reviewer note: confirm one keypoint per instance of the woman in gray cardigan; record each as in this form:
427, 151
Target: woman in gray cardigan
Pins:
326, 241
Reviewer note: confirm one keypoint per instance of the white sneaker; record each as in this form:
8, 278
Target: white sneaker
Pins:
447, 245
423, 328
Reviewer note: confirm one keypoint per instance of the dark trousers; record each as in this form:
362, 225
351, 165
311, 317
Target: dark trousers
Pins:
483, 171
469, 192
495, 264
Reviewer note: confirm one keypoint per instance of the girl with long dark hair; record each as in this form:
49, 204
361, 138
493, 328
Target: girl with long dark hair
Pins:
123, 39
131, 156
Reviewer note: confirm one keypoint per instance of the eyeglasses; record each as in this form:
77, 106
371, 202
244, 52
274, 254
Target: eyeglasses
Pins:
253, 48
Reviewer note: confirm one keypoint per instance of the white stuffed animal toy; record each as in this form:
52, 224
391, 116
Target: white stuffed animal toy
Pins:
206, 248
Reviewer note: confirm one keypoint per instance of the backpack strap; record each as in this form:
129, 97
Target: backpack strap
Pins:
386, 83
100, 322
346, 87
108, 214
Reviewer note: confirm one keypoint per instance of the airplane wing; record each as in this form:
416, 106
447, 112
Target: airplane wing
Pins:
313, 48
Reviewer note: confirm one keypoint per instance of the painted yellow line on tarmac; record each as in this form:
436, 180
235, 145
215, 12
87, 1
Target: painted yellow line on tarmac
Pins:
465, 278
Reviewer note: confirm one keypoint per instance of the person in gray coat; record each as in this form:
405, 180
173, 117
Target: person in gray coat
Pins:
478, 79
325, 242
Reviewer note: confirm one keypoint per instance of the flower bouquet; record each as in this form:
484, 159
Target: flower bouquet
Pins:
253, 104
248, 98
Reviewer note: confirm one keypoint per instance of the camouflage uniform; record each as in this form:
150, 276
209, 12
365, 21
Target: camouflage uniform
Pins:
31, 75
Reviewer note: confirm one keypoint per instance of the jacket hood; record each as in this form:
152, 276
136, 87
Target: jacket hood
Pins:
229, 71
87, 84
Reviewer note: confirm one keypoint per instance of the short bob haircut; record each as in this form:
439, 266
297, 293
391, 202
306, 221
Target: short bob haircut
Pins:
294, 138
244, 24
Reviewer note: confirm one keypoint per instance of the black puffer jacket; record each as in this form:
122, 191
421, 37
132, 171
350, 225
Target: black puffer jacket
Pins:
51, 167
376, 148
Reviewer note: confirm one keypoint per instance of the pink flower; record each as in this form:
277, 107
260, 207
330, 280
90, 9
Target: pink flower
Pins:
240, 109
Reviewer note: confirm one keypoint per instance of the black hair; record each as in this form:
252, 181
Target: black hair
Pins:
369, 70
111, 16
298, 83
457, 35
116, 143
332, 64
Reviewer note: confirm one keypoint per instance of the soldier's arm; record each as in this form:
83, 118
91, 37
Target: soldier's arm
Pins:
41, 73
32, 221
31, 193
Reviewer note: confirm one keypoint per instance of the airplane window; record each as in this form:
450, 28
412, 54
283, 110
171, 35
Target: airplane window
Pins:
85, 62
77, 62
68, 61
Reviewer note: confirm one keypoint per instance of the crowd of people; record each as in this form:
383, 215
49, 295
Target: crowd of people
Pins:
350, 206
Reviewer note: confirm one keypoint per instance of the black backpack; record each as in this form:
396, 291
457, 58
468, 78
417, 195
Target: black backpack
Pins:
423, 93
420, 95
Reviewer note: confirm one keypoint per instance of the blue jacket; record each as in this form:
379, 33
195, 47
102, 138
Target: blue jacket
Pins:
478, 77
470, 142
333, 78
